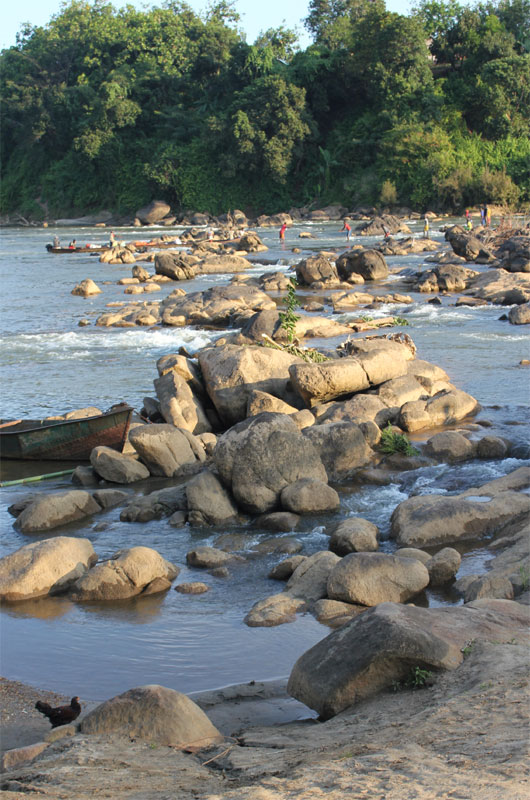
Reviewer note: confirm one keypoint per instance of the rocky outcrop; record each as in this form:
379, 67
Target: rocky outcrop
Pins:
46, 567
219, 305
210, 557
500, 287
371, 578
153, 714
47, 512
380, 646
258, 458
128, 573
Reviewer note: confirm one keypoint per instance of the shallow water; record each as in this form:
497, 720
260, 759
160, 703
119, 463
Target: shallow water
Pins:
50, 365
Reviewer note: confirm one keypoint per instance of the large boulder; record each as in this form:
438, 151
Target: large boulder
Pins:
86, 288
501, 287
46, 567
116, 467
177, 266
445, 408
310, 578
128, 573
317, 383
154, 212
50, 511
435, 519
223, 262
354, 535
371, 578
259, 457
341, 446
277, 609
180, 404
520, 315
466, 245
154, 714
165, 449
443, 566
370, 264
158, 504
380, 646
450, 446
309, 496
231, 373
316, 268
208, 501
360, 408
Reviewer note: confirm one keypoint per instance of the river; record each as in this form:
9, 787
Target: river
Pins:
51, 365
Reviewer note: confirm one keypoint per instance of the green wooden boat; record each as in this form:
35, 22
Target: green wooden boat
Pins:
64, 440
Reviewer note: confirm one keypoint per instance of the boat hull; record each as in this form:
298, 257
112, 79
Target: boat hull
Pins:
65, 440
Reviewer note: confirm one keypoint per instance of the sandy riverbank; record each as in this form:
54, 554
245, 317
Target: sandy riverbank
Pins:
464, 737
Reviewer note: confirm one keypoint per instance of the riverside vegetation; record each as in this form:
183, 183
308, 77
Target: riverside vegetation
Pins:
108, 108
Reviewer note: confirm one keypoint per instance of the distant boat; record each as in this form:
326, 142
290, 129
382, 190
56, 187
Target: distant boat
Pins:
65, 440
95, 248
89, 248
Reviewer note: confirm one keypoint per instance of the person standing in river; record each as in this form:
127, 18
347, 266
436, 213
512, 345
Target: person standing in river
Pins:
426, 229
346, 227
282, 232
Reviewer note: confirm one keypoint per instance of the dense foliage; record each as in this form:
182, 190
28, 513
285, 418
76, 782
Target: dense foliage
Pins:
107, 108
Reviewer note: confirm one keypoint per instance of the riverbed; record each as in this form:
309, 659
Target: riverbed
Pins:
191, 643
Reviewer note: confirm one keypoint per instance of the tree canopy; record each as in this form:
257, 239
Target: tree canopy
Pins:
109, 107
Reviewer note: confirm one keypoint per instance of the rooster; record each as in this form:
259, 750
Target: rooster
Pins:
61, 715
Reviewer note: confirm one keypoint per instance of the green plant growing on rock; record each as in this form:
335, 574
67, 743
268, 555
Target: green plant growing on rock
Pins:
417, 678
393, 442
288, 318
401, 321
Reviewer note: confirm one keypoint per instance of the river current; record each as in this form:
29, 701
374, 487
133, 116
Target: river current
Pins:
51, 365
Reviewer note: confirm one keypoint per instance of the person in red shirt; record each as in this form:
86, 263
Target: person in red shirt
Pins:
347, 228
282, 231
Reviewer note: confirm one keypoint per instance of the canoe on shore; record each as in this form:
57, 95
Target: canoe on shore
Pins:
64, 440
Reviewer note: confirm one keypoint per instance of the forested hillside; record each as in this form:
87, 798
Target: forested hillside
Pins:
107, 108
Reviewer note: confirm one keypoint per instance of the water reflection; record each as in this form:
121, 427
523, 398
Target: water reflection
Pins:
47, 608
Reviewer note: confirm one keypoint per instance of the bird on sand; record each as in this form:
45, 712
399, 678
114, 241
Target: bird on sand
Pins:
61, 715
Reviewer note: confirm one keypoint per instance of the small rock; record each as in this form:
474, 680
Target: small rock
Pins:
196, 587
